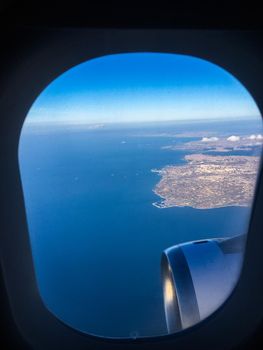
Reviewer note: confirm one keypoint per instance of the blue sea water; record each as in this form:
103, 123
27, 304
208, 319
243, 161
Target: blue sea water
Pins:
96, 238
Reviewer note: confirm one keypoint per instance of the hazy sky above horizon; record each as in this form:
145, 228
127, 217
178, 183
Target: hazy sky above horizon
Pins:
142, 87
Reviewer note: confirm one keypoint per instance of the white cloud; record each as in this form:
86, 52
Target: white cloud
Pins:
209, 139
255, 137
233, 138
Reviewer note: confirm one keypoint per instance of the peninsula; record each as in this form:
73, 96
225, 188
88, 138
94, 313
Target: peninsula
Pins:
208, 181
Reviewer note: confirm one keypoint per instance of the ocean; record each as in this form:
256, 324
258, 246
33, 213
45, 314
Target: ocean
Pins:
96, 238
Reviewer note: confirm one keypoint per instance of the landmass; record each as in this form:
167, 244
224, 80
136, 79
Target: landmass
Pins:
167, 134
208, 181
221, 144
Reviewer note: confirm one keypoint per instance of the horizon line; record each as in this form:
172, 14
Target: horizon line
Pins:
101, 123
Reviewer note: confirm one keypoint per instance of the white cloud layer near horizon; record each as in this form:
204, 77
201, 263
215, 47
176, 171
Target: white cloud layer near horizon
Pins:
233, 138
209, 139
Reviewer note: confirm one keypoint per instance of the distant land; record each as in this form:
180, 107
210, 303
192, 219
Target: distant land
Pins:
210, 181
221, 144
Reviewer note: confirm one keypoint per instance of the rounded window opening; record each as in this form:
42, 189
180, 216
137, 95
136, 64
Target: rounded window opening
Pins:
138, 173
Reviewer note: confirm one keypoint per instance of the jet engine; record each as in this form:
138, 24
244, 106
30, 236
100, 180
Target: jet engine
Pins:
197, 277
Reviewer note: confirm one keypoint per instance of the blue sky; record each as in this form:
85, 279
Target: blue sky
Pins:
141, 87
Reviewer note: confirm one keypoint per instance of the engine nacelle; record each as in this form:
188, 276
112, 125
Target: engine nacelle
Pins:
198, 277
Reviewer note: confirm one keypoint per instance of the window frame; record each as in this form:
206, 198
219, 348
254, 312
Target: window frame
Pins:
46, 55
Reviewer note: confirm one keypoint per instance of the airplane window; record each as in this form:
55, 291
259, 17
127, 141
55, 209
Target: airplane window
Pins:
138, 173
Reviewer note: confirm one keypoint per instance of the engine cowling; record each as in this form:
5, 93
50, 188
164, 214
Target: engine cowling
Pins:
198, 277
